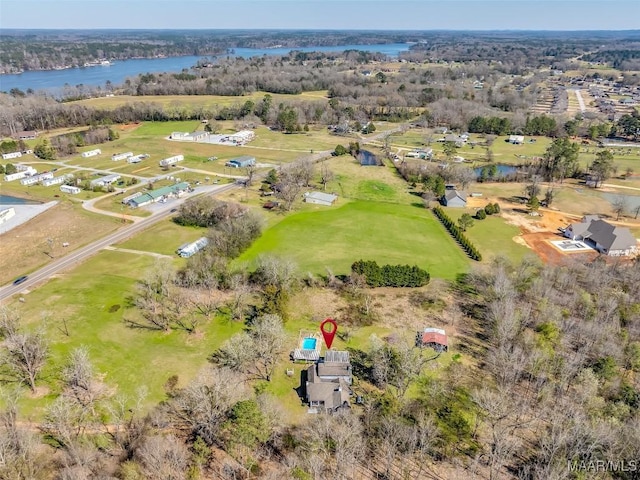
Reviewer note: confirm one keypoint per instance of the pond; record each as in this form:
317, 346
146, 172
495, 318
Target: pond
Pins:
8, 200
632, 201
500, 170
368, 159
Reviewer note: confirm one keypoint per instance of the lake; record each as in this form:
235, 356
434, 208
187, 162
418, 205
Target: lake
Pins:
119, 71
8, 200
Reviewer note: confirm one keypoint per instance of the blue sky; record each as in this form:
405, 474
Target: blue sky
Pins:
324, 14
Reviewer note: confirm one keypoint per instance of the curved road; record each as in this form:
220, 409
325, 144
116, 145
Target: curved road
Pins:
139, 224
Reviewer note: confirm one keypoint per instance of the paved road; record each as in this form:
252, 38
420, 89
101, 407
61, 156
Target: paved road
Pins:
138, 225
87, 251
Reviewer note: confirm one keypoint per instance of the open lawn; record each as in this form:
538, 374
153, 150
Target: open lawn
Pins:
387, 233
164, 237
85, 309
492, 236
317, 139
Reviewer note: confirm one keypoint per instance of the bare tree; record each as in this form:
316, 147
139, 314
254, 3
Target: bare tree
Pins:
250, 170
241, 293
21, 455
257, 351
156, 298
9, 322
396, 364
326, 175
163, 458
82, 384
293, 179
24, 356
201, 408
620, 206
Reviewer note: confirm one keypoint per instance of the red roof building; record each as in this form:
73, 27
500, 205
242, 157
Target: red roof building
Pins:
435, 338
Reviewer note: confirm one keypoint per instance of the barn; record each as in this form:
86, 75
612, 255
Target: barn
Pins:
435, 338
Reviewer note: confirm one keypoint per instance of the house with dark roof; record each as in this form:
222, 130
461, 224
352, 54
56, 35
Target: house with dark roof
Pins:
435, 338
603, 237
454, 198
328, 383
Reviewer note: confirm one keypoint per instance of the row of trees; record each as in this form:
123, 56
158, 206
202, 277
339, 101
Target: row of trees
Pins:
390, 275
457, 232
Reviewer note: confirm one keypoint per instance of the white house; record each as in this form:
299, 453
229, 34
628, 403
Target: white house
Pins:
603, 237
242, 137
167, 162
9, 156
70, 189
91, 153
33, 179
104, 181
121, 156
320, 198
20, 174
136, 158
56, 180
516, 139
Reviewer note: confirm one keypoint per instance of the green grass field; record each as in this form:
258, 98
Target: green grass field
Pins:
387, 233
164, 237
493, 236
79, 304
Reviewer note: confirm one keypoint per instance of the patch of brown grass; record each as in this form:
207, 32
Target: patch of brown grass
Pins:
27, 246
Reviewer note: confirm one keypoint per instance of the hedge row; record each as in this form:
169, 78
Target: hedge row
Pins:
457, 233
390, 275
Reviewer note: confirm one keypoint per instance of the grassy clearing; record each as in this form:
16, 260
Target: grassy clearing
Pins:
80, 303
164, 237
380, 184
65, 222
387, 233
206, 101
493, 236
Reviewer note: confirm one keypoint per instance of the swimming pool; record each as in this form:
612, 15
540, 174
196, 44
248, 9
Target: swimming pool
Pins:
309, 343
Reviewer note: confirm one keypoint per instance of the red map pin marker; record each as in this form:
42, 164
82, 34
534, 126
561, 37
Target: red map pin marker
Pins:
329, 328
